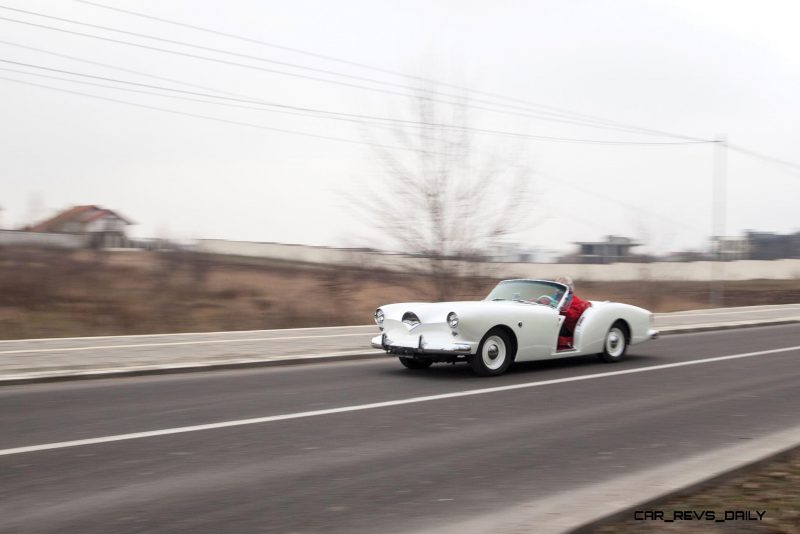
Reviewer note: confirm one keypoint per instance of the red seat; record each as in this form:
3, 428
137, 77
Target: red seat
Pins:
571, 316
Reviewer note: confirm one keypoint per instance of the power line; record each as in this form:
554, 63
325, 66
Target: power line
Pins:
185, 98
764, 157
352, 117
195, 93
375, 68
153, 93
272, 71
216, 119
524, 112
294, 132
574, 185
212, 49
274, 45
580, 188
418, 78
117, 67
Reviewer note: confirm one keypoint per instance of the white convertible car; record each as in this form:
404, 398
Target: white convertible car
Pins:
520, 320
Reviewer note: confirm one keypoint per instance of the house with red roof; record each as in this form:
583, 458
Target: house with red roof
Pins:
105, 228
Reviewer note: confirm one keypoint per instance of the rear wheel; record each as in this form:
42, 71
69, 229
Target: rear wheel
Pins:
615, 344
414, 363
495, 354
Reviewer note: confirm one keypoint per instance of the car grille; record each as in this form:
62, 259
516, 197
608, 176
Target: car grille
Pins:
410, 319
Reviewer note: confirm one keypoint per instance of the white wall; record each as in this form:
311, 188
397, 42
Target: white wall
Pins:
303, 253
12, 237
108, 223
695, 271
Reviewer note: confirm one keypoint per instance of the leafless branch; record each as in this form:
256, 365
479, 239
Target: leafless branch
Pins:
443, 198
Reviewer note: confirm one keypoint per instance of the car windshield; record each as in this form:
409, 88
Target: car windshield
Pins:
540, 292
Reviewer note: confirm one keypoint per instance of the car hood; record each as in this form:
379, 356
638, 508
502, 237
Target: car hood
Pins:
436, 312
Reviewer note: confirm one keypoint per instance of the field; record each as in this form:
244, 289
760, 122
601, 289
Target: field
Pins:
55, 293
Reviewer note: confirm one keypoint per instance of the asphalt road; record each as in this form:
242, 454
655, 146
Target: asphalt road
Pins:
407, 466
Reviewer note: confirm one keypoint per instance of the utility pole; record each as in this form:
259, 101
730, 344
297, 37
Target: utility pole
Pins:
718, 216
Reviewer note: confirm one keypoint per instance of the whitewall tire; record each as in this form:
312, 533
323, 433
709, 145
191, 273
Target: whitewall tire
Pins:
615, 344
495, 354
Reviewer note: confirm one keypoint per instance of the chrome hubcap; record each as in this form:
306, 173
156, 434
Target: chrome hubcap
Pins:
615, 342
494, 353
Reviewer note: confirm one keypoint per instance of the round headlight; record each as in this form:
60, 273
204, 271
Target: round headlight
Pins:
452, 319
379, 316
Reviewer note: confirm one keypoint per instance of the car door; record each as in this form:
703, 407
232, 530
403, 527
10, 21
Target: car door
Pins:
537, 332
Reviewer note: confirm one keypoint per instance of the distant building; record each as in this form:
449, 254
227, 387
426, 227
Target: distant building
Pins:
729, 248
510, 252
756, 246
614, 249
104, 227
686, 256
772, 246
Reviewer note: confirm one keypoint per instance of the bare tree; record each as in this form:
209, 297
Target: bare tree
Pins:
439, 196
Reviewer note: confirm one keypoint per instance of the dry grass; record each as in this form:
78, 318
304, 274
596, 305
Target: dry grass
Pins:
53, 293
49, 293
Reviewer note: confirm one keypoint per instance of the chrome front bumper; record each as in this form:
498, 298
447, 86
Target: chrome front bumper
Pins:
418, 345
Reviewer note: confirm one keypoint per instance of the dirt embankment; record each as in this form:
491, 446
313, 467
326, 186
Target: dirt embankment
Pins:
52, 293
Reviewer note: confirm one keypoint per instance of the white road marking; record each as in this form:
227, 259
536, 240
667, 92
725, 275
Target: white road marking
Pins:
375, 405
174, 343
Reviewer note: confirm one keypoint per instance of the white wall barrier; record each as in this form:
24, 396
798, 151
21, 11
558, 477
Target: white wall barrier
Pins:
15, 237
787, 269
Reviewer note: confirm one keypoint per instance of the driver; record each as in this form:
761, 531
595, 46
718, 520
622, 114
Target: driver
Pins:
571, 311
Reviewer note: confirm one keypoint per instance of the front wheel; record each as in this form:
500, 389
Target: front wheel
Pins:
615, 344
414, 363
494, 356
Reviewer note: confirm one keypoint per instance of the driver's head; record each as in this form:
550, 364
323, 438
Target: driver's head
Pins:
567, 281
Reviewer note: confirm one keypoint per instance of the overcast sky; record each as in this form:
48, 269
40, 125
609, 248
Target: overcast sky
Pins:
694, 68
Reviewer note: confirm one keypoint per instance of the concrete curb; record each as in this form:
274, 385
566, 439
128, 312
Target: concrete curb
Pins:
690, 329
89, 374
687, 489
582, 510
92, 374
